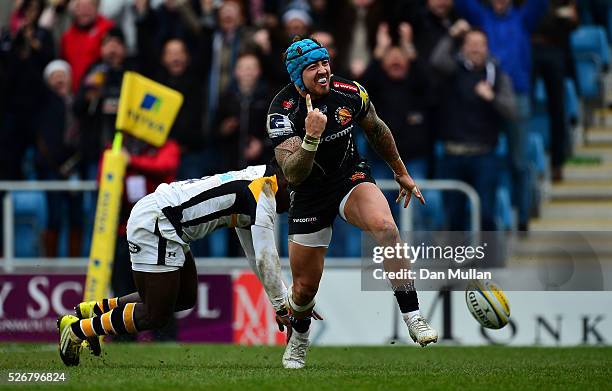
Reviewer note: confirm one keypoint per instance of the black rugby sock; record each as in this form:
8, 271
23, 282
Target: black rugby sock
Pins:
300, 325
407, 300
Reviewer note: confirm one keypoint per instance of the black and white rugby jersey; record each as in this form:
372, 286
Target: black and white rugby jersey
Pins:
345, 105
196, 207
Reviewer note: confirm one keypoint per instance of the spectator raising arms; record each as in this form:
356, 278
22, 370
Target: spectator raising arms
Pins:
478, 99
509, 32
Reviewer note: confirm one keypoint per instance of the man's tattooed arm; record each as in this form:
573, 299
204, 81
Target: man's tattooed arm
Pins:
380, 138
295, 161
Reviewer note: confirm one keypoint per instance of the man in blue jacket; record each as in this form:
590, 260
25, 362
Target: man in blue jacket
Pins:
509, 29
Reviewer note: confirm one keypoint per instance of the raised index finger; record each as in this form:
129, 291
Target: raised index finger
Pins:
308, 103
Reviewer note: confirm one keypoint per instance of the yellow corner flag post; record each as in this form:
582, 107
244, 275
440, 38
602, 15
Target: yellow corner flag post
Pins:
104, 236
146, 111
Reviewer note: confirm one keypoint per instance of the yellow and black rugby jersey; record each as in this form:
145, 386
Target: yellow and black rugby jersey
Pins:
345, 105
196, 207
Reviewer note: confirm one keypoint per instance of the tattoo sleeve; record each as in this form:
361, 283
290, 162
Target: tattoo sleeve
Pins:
295, 161
380, 138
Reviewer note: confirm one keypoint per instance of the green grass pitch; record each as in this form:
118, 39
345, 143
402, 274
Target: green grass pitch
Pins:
151, 366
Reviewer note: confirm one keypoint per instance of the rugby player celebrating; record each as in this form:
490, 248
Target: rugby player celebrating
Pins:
160, 228
310, 123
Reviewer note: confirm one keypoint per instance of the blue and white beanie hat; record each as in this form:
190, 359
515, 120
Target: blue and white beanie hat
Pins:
301, 54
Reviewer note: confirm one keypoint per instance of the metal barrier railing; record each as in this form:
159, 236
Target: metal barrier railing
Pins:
8, 222
405, 217
9, 264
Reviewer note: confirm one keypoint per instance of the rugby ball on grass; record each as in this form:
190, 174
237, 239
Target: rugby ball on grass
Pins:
487, 303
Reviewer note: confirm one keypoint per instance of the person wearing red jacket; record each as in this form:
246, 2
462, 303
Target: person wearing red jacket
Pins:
80, 44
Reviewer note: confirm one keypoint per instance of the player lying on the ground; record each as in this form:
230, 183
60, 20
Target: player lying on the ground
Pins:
316, 151
160, 228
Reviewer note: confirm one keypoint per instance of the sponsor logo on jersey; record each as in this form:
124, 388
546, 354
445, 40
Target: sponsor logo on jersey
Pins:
288, 104
133, 247
345, 86
277, 121
279, 125
305, 220
343, 115
357, 176
339, 134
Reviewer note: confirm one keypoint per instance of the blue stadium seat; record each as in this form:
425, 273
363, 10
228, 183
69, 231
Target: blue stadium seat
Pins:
587, 73
540, 95
610, 23
503, 203
284, 233
591, 40
30, 208
346, 240
503, 200
217, 242
537, 151
539, 121
592, 55
572, 105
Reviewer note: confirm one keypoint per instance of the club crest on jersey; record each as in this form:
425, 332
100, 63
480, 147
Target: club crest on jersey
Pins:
343, 115
288, 104
345, 86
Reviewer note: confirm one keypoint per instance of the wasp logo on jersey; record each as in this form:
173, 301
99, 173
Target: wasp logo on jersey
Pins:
279, 125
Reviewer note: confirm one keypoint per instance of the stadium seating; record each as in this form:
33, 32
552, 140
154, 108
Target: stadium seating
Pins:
592, 55
503, 198
610, 23
218, 243
30, 214
572, 103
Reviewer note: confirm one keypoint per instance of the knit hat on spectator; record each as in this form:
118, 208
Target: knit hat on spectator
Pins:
57, 65
301, 54
300, 14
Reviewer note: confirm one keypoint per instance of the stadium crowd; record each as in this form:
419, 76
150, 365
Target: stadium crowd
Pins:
451, 78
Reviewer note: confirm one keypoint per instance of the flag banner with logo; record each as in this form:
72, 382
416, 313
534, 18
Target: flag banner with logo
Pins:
147, 109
